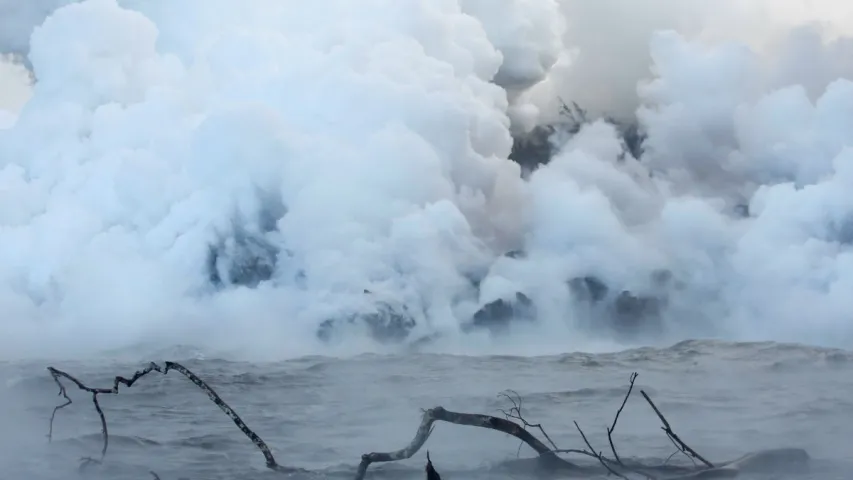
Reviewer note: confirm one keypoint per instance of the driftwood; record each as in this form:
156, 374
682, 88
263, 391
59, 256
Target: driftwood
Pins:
612, 427
672, 436
471, 419
514, 424
153, 367
430, 470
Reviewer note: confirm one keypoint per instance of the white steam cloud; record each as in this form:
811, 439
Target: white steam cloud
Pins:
15, 88
233, 174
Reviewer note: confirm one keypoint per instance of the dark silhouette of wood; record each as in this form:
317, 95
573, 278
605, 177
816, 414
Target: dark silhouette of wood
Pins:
470, 419
769, 461
672, 436
598, 455
153, 367
612, 427
515, 413
430, 470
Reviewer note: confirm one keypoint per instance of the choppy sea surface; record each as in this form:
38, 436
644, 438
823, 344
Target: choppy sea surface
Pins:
322, 414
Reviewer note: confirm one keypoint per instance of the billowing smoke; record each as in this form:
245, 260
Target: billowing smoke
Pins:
292, 177
15, 85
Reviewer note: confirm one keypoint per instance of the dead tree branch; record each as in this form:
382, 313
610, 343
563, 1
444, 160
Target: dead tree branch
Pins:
432, 474
153, 367
470, 419
604, 462
616, 418
516, 414
547, 456
672, 436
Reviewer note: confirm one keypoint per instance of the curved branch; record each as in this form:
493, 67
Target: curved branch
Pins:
599, 456
612, 427
153, 367
764, 461
516, 413
470, 419
56, 374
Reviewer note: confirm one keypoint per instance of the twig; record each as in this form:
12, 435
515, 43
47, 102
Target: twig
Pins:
638, 469
672, 436
678, 449
154, 474
616, 418
55, 409
86, 461
604, 462
670, 456
515, 413
153, 367
470, 419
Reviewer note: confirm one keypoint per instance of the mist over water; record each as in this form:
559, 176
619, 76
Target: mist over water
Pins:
236, 175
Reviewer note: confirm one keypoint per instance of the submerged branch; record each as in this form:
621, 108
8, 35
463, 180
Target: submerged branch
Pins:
153, 367
516, 413
431, 472
470, 419
599, 456
57, 374
767, 461
612, 427
672, 436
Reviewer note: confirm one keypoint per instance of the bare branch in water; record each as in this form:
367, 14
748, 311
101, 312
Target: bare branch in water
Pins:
470, 419
153, 367
672, 436
612, 427
604, 462
547, 456
432, 474
516, 413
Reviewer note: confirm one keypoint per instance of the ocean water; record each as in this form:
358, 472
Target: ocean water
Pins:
321, 414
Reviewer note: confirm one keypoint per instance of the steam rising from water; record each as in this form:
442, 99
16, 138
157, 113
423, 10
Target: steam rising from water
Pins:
234, 175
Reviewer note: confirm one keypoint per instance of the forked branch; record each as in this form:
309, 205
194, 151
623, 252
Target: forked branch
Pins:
470, 419
612, 427
153, 367
515, 413
672, 436
601, 459
546, 454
